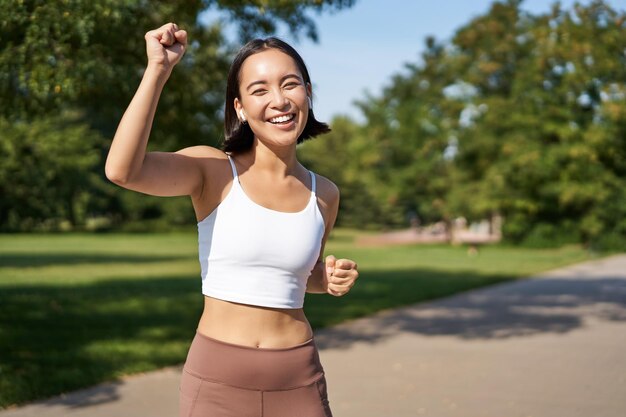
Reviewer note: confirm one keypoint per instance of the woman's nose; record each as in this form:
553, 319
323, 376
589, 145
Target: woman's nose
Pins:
278, 98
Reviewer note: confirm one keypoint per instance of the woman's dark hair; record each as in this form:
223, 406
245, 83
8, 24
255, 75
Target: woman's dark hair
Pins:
238, 136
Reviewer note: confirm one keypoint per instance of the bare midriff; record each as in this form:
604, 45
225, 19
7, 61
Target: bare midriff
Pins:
254, 326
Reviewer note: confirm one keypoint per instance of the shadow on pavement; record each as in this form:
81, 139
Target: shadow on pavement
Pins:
556, 304
89, 397
159, 313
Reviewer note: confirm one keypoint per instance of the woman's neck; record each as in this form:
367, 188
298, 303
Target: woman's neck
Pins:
280, 161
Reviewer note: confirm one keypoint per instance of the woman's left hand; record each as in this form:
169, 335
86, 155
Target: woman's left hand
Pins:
339, 275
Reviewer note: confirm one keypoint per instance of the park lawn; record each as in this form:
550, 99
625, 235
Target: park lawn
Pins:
80, 309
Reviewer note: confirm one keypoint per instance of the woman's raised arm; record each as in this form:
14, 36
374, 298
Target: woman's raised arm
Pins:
127, 164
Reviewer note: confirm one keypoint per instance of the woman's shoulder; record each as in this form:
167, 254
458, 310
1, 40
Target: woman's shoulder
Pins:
326, 190
213, 163
203, 151
212, 160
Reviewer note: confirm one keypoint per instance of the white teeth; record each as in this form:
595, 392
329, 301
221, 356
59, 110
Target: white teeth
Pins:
281, 119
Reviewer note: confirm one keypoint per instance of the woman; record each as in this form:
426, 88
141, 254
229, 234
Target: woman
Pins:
253, 353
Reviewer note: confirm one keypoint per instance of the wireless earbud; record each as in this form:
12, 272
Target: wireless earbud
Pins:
243, 117
310, 102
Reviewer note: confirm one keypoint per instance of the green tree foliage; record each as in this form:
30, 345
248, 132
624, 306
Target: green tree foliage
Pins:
47, 172
86, 58
517, 114
341, 155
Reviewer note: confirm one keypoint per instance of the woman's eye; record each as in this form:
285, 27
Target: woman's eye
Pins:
291, 85
259, 91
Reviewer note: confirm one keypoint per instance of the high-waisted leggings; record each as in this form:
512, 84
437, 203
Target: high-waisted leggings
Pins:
222, 379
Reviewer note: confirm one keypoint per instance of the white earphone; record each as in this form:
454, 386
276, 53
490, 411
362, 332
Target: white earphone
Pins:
310, 102
243, 117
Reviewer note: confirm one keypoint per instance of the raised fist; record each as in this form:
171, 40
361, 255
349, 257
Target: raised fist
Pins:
166, 45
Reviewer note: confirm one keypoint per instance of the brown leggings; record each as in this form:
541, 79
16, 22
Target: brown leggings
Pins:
222, 379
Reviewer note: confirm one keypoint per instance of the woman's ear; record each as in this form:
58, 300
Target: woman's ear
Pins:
239, 110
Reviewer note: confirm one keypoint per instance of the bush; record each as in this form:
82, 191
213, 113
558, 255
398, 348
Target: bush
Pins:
47, 167
546, 235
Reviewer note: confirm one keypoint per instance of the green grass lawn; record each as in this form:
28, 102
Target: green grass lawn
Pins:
79, 309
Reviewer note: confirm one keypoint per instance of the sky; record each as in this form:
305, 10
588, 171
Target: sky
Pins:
362, 47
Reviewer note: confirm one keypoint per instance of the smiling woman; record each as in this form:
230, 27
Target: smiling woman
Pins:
268, 79
263, 221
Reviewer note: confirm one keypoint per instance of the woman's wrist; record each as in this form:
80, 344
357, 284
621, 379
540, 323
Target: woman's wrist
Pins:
315, 280
157, 71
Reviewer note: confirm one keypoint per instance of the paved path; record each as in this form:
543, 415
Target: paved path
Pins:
553, 346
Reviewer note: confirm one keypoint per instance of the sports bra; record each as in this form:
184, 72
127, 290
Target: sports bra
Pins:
255, 255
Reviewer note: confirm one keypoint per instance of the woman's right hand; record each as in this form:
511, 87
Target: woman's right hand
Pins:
165, 46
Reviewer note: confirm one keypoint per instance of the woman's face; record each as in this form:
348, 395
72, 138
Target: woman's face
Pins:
274, 97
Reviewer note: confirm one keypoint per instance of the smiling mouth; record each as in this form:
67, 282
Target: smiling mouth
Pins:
282, 119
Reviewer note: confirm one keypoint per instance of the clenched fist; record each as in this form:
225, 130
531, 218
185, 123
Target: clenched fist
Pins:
165, 46
339, 275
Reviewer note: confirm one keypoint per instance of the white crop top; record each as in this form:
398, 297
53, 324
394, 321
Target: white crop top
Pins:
255, 255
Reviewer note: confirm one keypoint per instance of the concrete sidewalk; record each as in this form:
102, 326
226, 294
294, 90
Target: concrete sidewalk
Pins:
552, 346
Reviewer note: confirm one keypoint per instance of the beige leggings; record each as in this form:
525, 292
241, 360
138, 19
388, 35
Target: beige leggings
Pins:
222, 379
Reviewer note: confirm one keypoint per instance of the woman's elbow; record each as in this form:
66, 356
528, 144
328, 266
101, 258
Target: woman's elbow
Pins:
116, 176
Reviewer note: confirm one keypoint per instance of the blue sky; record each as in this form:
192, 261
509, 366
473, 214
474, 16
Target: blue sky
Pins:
360, 48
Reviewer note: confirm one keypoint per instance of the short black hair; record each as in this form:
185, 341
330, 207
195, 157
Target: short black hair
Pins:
238, 136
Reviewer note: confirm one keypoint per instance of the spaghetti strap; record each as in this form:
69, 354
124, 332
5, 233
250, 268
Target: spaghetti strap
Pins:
232, 166
312, 182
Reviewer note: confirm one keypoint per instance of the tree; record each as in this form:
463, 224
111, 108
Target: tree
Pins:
518, 114
47, 175
86, 58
